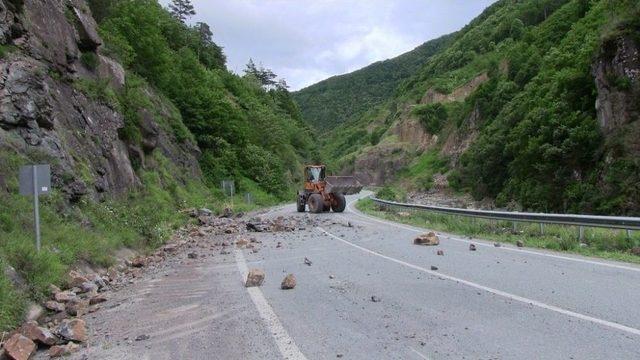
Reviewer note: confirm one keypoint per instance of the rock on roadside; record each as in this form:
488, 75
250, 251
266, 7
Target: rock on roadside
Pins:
72, 330
254, 278
289, 282
428, 239
63, 350
33, 332
19, 347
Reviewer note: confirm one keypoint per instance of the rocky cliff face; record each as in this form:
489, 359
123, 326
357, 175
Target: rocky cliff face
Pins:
45, 117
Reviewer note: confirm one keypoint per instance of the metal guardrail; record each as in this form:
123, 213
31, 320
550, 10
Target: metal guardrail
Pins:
614, 222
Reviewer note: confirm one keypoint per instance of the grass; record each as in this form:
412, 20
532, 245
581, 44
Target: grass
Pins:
90, 232
603, 243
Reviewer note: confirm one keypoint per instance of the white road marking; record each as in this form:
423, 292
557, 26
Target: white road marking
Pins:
480, 243
505, 294
285, 343
421, 355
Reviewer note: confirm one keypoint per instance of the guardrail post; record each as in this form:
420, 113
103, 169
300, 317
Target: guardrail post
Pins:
542, 229
580, 233
628, 233
515, 227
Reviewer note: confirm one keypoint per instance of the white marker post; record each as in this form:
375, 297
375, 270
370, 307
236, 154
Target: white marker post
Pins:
35, 180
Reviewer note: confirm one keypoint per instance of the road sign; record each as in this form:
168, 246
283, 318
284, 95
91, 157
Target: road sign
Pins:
35, 180
43, 176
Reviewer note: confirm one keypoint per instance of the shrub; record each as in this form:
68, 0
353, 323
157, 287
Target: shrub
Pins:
90, 60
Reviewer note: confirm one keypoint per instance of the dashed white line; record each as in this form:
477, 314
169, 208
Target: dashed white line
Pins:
421, 355
505, 294
285, 343
568, 258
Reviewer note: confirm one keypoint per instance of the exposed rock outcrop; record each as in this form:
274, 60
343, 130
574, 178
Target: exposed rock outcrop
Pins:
44, 112
617, 77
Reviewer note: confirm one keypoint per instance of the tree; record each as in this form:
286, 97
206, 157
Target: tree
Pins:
182, 9
206, 36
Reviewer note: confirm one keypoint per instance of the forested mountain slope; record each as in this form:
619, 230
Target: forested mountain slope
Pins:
341, 98
139, 119
533, 104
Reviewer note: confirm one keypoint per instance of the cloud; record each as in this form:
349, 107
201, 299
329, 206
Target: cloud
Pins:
307, 41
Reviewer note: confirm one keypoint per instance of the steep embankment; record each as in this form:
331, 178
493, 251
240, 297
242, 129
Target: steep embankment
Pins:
533, 104
139, 118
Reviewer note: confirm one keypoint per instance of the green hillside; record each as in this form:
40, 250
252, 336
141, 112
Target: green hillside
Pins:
342, 98
519, 84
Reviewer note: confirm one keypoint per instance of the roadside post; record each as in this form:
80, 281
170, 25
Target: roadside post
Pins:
35, 180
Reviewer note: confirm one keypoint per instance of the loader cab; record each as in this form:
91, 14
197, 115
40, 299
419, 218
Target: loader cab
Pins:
314, 173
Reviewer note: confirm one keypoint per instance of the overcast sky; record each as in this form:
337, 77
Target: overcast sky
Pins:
305, 41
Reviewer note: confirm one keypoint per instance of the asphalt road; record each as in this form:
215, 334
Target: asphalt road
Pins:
493, 303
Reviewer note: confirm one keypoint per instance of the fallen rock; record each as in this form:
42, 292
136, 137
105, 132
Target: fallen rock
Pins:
440, 252
279, 245
375, 299
255, 278
65, 296
289, 282
331, 277
54, 306
88, 286
75, 279
100, 298
72, 330
142, 337
241, 243
192, 255
472, 247
307, 262
204, 212
519, 243
63, 350
170, 248
77, 307
434, 268
33, 332
227, 213
428, 239
34, 312
138, 262
19, 347
497, 244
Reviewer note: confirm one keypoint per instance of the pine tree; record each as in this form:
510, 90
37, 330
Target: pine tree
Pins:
182, 9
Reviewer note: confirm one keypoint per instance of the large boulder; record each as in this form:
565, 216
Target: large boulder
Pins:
255, 278
39, 334
86, 27
72, 330
19, 347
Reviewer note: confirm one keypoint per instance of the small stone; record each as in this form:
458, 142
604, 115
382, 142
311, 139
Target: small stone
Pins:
75, 279
428, 239
138, 262
192, 256
307, 262
170, 248
54, 306
497, 244
519, 243
32, 331
241, 243
77, 307
142, 337
19, 347
255, 278
73, 330
472, 247
64, 296
289, 282
279, 245
375, 299
434, 268
63, 350
331, 277
88, 286
440, 252
100, 298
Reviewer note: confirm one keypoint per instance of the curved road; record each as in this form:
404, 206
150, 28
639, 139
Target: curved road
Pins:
493, 303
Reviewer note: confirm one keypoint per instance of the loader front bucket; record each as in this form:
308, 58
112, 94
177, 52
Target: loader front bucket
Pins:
346, 185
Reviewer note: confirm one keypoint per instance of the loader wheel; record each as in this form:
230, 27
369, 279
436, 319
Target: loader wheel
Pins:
339, 203
301, 204
316, 203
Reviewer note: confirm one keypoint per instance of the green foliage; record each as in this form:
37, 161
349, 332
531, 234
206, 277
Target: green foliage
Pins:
97, 90
343, 98
432, 116
89, 59
229, 116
